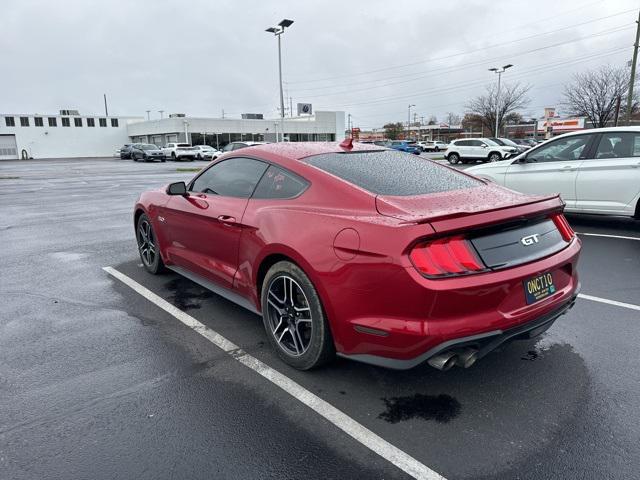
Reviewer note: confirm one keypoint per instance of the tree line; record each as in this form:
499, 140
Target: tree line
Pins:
599, 95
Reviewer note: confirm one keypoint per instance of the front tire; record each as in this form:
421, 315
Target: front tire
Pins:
294, 319
148, 247
453, 158
494, 157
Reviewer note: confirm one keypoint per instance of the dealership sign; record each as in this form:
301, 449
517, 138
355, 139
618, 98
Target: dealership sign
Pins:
560, 124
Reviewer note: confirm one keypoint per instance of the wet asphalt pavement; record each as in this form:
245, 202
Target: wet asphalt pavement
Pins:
97, 382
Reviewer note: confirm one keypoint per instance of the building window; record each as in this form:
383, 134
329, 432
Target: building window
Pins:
24, 121
77, 122
38, 121
53, 122
91, 122
66, 122
114, 122
10, 121
103, 122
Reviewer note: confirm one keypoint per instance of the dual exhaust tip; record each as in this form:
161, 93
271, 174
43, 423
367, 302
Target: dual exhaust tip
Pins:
461, 358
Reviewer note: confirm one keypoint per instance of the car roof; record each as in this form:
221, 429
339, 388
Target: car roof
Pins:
299, 150
601, 130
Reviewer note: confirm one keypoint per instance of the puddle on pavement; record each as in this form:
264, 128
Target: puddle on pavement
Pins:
530, 355
441, 408
186, 294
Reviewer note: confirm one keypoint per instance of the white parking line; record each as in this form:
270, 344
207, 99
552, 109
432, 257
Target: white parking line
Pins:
341, 420
608, 236
630, 306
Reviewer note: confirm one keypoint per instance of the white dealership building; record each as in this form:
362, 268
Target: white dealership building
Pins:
69, 134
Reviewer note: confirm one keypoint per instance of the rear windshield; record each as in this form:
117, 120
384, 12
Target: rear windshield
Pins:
389, 172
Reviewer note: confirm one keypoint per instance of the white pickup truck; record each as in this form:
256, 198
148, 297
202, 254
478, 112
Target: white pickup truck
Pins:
180, 151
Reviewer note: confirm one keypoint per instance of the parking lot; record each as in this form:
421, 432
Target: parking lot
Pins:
98, 381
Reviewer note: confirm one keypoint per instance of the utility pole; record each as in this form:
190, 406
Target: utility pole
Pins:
148, 117
409, 120
223, 113
349, 125
290, 107
633, 71
106, 110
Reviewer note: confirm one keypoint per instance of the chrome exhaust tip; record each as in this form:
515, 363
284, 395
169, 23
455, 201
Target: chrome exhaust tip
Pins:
466, 357
443, 361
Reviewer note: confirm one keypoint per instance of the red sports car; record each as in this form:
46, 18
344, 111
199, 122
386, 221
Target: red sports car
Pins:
376, 255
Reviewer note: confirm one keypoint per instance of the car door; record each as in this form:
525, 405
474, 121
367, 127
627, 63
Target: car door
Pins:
203, 229
609, 180
551, 168
477, 149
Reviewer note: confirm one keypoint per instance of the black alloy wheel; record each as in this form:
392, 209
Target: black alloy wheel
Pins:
294, 319
148, 247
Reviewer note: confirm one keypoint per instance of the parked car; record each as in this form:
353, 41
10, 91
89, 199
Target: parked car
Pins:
392, 249
125, 151
238, 145
404, 146
473, 149
506, 142
381, 143
180, 151
595, 171
206, 152
433, 146
146, 152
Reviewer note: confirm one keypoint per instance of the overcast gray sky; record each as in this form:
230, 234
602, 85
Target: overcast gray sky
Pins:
368, 58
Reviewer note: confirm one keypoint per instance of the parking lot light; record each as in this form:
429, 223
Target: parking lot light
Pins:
499, 71
278, 31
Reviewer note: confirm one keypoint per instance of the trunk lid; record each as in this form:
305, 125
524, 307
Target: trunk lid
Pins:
465, 208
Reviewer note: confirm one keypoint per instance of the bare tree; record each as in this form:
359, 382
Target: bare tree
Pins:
512, 97
452, 119
432, 120
594, 94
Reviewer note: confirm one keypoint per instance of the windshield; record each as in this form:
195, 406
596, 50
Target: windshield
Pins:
183, 145
506, 141
492, 142
389, 172
148, 147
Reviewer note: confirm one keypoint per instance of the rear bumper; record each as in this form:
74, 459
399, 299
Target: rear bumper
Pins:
484, 342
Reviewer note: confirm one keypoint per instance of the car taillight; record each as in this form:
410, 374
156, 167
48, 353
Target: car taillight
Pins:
563, 227
446, 257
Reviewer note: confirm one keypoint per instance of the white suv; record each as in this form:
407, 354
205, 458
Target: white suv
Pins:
594, 171
180, 151
474, 149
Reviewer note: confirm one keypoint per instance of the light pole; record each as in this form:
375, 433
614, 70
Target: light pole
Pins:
186, 131
161, 112
409, 119
499, 71
278, 31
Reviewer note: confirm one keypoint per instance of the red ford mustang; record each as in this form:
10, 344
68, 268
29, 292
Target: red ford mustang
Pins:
373, 254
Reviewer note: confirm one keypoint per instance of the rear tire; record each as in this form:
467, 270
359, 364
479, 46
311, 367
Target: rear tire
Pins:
453, 158
148, 247
494, 157
294, 319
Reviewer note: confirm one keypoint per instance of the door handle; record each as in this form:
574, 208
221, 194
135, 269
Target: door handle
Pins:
567, 168
227, 219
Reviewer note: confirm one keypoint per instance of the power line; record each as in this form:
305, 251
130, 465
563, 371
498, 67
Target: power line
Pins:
460, 53
480, 81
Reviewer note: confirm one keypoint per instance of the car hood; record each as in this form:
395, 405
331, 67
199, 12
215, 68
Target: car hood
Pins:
456, 203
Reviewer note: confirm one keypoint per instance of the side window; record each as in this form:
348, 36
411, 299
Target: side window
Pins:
228, 147
618, 145
462, 143
278, 183
235, 177
561, 150
476, 143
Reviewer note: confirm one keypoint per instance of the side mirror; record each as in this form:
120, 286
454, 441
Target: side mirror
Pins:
177, 188
484, 146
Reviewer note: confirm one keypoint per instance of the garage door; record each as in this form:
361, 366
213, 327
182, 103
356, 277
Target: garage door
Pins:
8, 149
